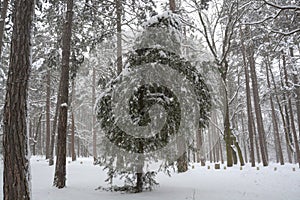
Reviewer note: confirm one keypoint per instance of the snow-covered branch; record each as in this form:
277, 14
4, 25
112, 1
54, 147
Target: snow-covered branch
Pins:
286, 33
288, 7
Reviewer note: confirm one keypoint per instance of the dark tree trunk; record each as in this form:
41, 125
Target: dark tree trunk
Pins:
60, 168
37, 135
297, 92
54, 126
16, 174
275, 123
48, 102
227, 132
259, 120
139, 170
2, 23
249, 105
119, 35
285, 126
297, 150
72, 99
199, 142
172, 4
94, 115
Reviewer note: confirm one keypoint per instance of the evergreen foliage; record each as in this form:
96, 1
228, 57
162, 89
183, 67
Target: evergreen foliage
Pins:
152, 47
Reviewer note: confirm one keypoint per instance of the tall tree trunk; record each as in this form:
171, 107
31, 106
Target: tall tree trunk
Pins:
285, 126
227, 131
297, 90
221, 151
257, 146
37, 135
119, 35
200, 150
73, 153
2, 23
289, 137
172, 4
297, 150
249, 105
259, 121
48, 105
73, 138
16, 173
60, 168
275, 123
94, 115
54, 126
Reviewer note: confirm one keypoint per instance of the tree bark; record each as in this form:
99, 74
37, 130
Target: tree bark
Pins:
37, 134
60, 168
285, 126
227, 131
249, 105
16, 172
172, 5
48, 105
54, 126
119, 36
94, 115
296, 142
72, 100
259, 121
275, 123
296, 90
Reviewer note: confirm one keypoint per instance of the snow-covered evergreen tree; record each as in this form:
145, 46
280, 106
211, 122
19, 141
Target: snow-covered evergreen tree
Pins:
158, 100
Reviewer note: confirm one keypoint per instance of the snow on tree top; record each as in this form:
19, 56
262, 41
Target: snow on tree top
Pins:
162, 30
166, 18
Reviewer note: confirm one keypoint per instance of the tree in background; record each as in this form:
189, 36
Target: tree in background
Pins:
60, 168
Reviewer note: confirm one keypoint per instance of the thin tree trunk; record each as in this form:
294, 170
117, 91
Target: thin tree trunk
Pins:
48, 105
249, 105
94, 115
297, 150
54, 126
221, 151
16, 171
60, 168
78, 146
73, 138
37, 135
119, 35
275, 123
285, 126
227, 132
72, 100
297, 90
256, 143
244, 139
289, 137
2, 23
199, 144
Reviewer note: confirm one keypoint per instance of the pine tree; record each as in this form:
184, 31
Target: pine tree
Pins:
60, 168
159, 44
16, 174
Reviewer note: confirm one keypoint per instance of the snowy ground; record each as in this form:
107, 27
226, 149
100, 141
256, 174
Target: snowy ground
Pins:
198, 183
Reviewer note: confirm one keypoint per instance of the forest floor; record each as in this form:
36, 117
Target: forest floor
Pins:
198, 183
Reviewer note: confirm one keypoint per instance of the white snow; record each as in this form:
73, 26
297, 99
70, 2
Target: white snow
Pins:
64, 105
198, 183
